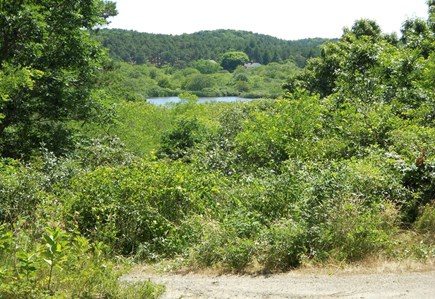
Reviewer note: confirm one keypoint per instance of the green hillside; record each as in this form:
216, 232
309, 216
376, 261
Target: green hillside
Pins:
179, 50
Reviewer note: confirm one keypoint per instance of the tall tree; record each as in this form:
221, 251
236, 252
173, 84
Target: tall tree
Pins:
231, 60
47, 66
351, 57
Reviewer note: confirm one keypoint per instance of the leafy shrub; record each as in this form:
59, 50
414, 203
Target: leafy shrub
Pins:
421, 180
414, 165
210, 250
347, 229
220, 246
139, 204
283, 245
21, 190
239, 253
141, 125
104, 151
244, 222
286, 130
375, 178
61, 264
176, 143
425, 222
141, 290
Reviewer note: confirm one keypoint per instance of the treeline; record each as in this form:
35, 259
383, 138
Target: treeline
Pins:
180, 50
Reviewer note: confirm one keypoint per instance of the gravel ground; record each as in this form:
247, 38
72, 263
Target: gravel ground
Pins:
296, 284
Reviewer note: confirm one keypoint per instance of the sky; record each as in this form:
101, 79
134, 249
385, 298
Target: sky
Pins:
285, 19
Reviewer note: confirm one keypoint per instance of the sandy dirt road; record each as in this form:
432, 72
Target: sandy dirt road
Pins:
408, 284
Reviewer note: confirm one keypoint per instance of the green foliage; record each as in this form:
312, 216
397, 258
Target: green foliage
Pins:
283, 245
53, 255
425, 223
20, 191
61, 264
340, 167
198, 82
275, 134
129, 82
206, 66
349, 230
141, 125
138, 205
49, 69
368, 67
231, 60
176, 143
180, 51
14, 79
220, 245
104, 151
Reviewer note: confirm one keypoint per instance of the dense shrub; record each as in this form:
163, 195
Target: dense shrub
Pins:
21, 190
425, 222
349, 230
339, 168
176, 143
283, 245
61, 264
139, 204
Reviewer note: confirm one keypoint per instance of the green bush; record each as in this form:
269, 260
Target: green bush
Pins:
141, 125
220, 246
176, 143
347, 229
61, 264
283, 245
425, 222
287, 129
139, 205
239, 253
209, 251
21, 190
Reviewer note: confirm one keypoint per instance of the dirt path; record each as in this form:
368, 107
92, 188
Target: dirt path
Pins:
297, 284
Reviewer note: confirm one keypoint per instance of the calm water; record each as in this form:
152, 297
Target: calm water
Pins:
167, 100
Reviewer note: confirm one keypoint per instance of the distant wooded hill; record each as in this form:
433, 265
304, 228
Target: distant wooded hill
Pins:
180, 50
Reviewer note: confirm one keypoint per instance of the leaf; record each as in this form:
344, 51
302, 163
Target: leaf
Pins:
49, 240
49, 262
5, 238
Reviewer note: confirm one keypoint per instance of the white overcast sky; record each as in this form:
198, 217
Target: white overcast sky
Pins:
286, 19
